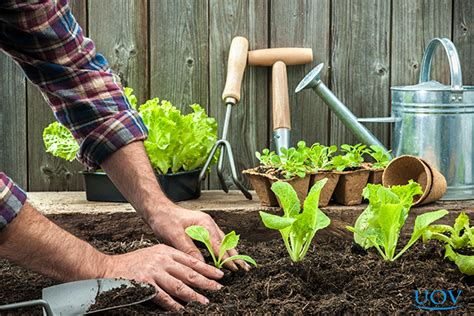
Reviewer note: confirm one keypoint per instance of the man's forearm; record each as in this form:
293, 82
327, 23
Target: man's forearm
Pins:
38, 244
131, 171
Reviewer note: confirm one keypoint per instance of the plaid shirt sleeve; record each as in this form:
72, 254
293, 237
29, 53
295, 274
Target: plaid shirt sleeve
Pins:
12, 199
45, 40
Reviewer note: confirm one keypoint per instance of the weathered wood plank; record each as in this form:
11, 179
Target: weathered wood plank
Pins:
179, 52
45, 172
463, 30
13, 121
304, 23
414, 24
249, 122
360, 54
121, 36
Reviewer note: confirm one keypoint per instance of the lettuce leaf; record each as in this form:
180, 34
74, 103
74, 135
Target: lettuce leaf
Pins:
177, 142
59, 142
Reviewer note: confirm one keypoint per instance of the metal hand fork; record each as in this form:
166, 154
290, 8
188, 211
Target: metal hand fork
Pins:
75, 298
231, 96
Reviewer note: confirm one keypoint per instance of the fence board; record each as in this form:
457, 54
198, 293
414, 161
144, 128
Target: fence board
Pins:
179, 51
45, 172
248, 128
360, 63
121, 36
304, 23
414, 24
13, 121
463, 37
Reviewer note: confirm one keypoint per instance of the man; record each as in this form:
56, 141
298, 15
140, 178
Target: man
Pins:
45, 40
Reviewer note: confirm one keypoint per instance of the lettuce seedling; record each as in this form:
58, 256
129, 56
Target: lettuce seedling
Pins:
380, 155
352, 158
297, 228
380, 223
319, 157
268, 159
292, 163
458, 237
229, 242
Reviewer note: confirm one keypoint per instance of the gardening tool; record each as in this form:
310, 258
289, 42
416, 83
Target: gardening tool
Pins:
231, 96
280, 107
431, 120
75, 298
279, 58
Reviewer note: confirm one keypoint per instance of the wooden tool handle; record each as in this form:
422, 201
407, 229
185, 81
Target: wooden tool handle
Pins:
280, 99
289, 55
235, 68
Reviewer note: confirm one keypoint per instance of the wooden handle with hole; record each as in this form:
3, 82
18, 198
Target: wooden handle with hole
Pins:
235, 68
280, 99
289, 55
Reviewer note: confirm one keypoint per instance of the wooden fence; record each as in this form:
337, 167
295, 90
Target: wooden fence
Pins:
177, 50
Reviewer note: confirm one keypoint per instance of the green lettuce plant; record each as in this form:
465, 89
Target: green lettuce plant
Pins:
59, 142
318, 157
230, 241
458, 237
177, 142
290, 163
352, 157
380, 155
380, 223
297, 227
267, 158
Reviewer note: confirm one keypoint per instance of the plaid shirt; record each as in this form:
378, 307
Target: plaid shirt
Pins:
45, 40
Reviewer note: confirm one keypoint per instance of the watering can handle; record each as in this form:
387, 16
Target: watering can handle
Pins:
453, 58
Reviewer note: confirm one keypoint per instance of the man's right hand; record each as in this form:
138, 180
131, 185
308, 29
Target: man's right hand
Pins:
171, 271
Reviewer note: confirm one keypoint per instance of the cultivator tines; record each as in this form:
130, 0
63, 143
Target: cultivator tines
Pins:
231, 95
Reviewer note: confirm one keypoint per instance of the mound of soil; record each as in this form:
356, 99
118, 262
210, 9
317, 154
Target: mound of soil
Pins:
335, 277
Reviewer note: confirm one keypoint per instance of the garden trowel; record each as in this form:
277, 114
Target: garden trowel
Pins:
75, 298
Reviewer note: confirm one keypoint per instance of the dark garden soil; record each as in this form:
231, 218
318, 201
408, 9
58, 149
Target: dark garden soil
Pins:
123, 295
335, 277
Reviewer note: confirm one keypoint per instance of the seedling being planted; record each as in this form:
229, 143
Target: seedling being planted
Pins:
380, 223
229, 242
297, 227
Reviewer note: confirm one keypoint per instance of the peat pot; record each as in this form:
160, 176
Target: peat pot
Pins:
178, 186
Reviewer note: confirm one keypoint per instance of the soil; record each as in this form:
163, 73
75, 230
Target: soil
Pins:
336, 277
123, 295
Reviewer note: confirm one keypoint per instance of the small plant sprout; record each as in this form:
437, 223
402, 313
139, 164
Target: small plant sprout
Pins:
458, 237
229, 242
319, 157
297, 227
380, 223
292, 163
380, 155
267, 158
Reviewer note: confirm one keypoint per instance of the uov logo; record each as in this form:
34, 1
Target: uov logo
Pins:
438, 300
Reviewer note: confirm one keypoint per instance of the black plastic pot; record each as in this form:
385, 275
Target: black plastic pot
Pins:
179, 186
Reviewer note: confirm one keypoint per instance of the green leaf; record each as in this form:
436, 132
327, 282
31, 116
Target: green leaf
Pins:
241, 257
131, 97
230, 241
422, 223
276, 222
464, 263
287, 197
59, 141
201, 234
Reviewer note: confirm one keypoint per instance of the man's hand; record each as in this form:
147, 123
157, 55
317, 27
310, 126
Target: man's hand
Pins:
172, 272
170, 224
130, 170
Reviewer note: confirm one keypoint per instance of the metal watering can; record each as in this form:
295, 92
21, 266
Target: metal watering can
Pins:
431, 120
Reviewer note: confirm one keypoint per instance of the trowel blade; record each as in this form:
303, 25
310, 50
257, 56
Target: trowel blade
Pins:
75, 298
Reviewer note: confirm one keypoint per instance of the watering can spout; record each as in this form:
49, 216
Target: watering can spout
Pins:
313, 80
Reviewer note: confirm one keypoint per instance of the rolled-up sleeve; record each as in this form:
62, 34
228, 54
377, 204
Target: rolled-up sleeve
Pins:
46, 41
12, 199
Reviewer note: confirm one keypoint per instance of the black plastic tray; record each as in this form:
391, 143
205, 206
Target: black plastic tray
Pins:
179, 186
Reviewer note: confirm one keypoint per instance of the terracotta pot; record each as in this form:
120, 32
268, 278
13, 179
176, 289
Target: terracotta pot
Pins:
375, 176
350, 186
328, 189
262, 185
404, 168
